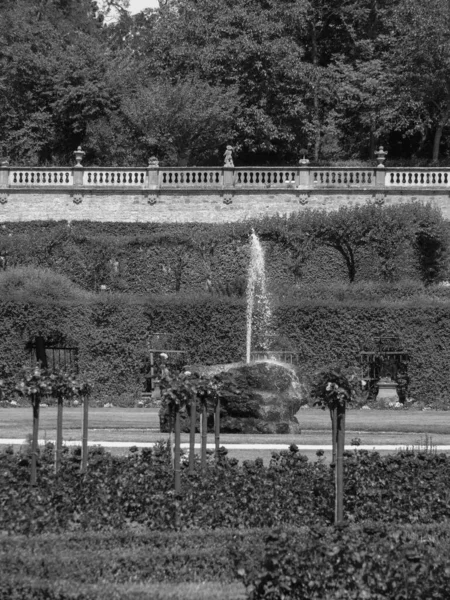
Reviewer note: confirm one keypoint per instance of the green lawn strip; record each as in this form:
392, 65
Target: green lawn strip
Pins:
16, 423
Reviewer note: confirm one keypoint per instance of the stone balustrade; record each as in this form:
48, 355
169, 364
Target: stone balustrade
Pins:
155, 177
115, 177
342, 177
190, 177
417, 178
20, 177
228, 193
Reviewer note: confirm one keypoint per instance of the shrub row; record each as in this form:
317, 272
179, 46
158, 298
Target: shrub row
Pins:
365, 561
133, 556
113, 333
167, 258
369, 563
118, 493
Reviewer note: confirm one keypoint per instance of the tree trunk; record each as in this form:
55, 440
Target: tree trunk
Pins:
84, 448
59, 427
217, 429
339, 467
316, 107
193, 419
177, 451
204, 434
34, 447
437, 141
439, 129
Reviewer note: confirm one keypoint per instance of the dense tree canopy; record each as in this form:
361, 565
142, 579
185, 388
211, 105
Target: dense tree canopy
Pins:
337, 77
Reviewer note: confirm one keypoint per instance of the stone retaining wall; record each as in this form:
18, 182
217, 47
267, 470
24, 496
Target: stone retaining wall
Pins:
192, 205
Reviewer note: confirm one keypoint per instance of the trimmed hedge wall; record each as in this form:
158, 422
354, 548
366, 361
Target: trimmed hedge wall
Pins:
112, 329
161, 259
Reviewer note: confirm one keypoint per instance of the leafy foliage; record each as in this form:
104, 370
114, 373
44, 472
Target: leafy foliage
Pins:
368, 562
138, 489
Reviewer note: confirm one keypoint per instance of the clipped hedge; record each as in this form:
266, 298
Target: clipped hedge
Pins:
135, 555
137, 491
112, 332
369, 563
166, 258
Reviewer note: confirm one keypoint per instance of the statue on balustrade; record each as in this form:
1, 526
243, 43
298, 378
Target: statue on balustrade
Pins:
228, 157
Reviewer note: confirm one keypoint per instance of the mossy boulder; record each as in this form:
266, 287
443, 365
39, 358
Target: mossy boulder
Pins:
268, 398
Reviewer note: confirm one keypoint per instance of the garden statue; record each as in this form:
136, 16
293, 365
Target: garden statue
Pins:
228, 157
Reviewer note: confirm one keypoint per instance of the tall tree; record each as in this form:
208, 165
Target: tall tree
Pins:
419, 63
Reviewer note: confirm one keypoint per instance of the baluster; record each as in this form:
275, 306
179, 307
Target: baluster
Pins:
27, 175
433, 178
409, 178
31, 177
445, 178
245, 177
439, 178
61, 178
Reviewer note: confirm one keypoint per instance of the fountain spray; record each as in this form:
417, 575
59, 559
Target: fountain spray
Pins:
259, 314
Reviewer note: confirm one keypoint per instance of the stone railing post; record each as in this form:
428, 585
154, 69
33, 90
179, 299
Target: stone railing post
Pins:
304, 171
78, 168
228, 177
153, 173
304, 177
4, 173
380, 171
228, 167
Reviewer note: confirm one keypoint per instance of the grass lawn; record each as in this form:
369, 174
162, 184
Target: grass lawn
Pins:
406, 428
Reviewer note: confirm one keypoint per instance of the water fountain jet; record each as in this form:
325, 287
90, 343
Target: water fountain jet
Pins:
259, 314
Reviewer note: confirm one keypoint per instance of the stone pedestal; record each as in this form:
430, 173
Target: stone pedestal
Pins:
387, 391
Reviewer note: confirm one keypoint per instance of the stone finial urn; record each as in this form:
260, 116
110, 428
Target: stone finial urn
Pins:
380, 155
79, 153
387, 391
303, 161
153, 162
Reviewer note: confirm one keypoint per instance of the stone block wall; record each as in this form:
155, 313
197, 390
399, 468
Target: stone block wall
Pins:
183, 206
